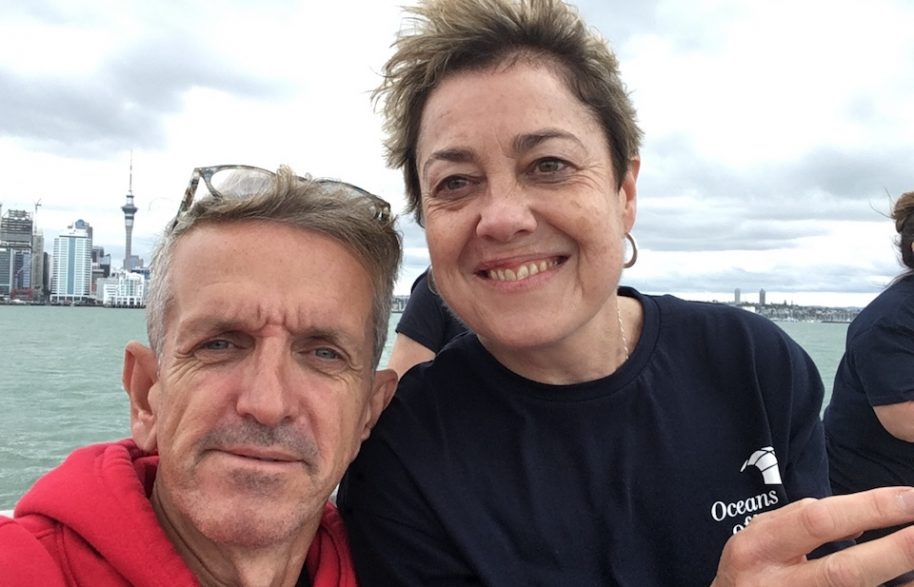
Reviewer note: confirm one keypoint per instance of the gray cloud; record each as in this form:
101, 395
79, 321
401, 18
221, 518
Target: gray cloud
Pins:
413, 240
674, 167
621, 21
413, 234
687, 202
122, 104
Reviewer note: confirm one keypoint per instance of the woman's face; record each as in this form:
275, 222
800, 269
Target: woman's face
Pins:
525, 224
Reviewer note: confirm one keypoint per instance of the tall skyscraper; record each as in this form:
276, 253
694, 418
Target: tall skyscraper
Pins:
129, 212
16, 254
39, 267
70, 281
761, 297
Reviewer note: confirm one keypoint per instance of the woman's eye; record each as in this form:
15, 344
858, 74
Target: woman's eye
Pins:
454, 183
550, 165
453, 187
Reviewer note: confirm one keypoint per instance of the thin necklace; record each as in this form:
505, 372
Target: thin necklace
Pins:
622, 332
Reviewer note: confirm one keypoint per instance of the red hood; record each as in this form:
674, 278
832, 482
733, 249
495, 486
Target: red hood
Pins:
100, 495
93, 494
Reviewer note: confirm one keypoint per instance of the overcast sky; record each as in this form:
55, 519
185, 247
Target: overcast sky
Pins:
776, 133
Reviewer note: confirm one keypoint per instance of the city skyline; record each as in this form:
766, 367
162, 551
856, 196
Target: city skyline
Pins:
814, 299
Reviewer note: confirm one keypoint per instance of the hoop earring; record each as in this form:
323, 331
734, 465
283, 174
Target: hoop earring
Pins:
634, 245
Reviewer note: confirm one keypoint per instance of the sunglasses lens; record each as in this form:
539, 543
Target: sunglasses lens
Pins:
380, 209
240, 182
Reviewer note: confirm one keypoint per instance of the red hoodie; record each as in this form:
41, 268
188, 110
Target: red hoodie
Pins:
90, 522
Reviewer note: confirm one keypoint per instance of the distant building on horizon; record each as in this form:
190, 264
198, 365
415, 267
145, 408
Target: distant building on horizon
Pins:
71, 280
736, 293
761, 297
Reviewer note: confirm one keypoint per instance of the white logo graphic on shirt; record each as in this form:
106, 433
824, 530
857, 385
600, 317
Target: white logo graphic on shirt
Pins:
765, 461
740, 511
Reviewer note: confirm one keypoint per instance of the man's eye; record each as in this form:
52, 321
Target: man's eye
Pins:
326, 354
218, 344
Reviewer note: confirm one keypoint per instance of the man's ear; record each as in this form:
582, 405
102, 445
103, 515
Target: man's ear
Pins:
382, 391
140, 380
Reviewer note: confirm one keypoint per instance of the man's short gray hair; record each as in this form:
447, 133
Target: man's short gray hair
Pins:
324, 207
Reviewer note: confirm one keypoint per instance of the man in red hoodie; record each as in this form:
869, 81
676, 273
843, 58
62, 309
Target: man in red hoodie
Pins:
266, 316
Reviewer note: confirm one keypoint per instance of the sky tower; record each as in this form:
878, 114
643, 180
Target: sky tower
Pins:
129, 211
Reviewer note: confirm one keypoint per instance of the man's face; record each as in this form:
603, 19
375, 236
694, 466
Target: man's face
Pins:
265, 387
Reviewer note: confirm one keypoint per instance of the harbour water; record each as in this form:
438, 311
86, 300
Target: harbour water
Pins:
60, 386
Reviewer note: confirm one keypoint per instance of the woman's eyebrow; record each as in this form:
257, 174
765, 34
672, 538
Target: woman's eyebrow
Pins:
527, 141
454, 155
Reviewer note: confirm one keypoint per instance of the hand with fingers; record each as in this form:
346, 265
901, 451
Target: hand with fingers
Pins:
771, 551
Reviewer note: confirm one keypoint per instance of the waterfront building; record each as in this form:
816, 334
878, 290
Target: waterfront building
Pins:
72, 273
15, 272
736, 293
399, 304
123, 289
101, 261
143, 270
761, 297
101, 266
39, 266
16, 255
16, 228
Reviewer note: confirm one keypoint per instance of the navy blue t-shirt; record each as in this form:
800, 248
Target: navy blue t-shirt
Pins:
427, 319
877, 369
477, 476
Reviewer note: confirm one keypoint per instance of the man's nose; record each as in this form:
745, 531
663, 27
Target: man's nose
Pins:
266, 392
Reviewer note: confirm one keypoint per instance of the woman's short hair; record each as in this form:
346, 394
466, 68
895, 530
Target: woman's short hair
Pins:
903, 215
449, 36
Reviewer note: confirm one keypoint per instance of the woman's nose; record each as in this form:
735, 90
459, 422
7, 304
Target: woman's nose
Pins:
505, 212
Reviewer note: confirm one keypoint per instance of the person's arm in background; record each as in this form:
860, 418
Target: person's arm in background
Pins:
425, 326
897, 419
884, 359
407, 352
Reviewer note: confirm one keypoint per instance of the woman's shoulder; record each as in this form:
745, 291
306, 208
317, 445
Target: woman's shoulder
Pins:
459, 362
892, 310
714, 314
896, 302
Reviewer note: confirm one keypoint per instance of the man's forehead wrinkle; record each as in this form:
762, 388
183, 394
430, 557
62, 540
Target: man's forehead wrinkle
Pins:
302, 323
